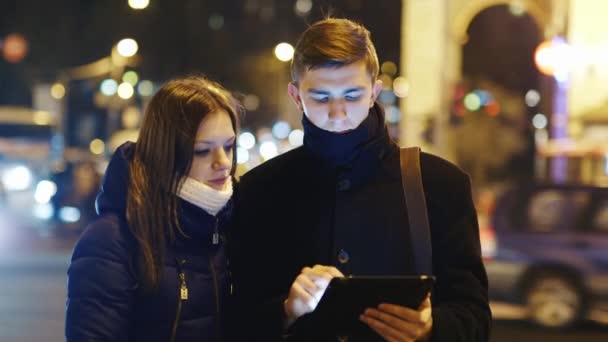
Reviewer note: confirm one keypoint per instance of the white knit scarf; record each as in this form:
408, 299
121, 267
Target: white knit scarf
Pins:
204, 196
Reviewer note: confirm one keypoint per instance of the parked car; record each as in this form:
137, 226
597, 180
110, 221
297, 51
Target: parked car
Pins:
549, 252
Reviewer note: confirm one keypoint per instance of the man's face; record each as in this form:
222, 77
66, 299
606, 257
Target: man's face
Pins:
336, 99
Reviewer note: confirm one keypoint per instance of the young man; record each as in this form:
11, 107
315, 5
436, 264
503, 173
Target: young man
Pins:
335, 207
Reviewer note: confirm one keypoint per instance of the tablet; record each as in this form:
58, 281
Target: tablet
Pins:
347, 298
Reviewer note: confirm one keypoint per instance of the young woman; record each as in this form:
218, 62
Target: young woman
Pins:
152, 267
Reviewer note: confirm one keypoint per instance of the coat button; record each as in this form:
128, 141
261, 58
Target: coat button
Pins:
343, 257
343, 185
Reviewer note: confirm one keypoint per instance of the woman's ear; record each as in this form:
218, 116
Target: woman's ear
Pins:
294, 93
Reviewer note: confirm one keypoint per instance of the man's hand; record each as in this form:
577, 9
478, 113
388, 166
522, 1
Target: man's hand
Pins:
307, 290
397, 323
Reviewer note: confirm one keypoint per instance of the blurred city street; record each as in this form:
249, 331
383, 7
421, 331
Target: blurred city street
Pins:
32, 297
32, 287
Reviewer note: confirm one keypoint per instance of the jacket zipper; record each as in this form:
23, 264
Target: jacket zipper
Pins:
183, 296
215, 284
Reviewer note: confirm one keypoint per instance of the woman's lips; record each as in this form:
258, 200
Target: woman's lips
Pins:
218, 181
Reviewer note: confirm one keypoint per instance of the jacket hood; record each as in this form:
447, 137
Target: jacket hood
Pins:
113, 194
112, 198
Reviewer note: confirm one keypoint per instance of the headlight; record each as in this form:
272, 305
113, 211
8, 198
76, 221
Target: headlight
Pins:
44, 191
69, 214
17, 178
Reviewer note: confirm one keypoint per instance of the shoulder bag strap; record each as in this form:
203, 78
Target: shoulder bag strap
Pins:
411, 179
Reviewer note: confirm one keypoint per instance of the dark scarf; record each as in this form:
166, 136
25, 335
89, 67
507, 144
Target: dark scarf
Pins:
357, 152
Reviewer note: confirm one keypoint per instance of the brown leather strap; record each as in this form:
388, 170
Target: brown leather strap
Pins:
411, 179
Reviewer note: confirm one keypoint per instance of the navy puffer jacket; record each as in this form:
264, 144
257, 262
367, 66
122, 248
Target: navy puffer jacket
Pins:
104, 299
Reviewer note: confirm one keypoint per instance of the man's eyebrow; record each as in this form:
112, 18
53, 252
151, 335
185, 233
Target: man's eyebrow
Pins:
317, 91
323, 92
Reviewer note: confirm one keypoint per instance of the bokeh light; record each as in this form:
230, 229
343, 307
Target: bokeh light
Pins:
145, 88
393, 114
296, 137
387, 81
389, 68
251, 102
484, 96
139, 4
268, 150
242, 155
14, 48
554, 58
517, 8
284, 52
130, 77
44, 191
281, 130
401, 87
97, 146
216, 22
539, 121
532, 98
57, 91
108, 87
17, 178
246, 140
42, 117
472, 102
492, 108
125, 91
127, 47
302, 7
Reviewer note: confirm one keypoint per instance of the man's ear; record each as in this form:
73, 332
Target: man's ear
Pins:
294, 93
376, 89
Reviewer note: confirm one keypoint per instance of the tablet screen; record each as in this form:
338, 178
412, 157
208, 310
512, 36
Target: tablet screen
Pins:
346, 298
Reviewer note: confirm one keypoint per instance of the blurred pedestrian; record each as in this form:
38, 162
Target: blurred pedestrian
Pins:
335, 206
152, 267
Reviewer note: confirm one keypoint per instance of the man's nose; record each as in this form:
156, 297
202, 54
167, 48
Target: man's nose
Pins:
337, 110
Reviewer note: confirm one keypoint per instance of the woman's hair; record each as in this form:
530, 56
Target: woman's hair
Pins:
334, 42
162, 158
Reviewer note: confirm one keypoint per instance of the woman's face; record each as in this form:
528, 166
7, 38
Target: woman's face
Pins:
213, 149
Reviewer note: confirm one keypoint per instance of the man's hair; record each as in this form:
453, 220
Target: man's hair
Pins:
334, 42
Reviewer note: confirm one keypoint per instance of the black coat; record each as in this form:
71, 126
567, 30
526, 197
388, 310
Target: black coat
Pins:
294, 211
105, 302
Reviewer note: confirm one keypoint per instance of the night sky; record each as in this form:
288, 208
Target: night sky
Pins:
174, 36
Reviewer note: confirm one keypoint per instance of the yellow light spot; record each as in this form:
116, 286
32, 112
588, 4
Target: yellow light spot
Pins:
97, 146
42, 118
389, 68
284, 52
401, 87
57, 91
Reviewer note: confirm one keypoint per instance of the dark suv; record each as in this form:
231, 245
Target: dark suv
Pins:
552, 252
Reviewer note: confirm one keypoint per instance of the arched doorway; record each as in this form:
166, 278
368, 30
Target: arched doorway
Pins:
490, 121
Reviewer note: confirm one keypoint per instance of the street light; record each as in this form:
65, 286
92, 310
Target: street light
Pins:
127, 47
138, 4
284, 52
